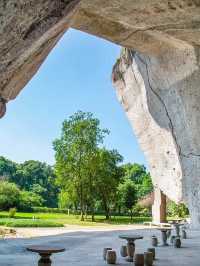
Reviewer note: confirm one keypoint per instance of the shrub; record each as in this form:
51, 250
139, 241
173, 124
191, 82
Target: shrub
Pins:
49, 210
177, 210
9, 195
12, 212
141, 211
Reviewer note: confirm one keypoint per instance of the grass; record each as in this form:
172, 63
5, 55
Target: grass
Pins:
11, 222
59, 220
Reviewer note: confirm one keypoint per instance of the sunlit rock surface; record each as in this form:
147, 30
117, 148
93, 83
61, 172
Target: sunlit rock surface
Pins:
28, 32
161, 99
30, 29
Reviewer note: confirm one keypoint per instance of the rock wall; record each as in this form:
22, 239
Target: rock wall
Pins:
29, 30
161, 97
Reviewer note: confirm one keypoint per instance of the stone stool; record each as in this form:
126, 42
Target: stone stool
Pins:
123, 251
111, 257
154, 241
172, 239
139, 259
177, 242
184, 234
152, 250
148, 258
105, 252
168, 233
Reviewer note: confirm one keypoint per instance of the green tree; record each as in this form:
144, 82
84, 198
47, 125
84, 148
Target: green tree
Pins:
7, 169
128, 195
108, 175
141, 178
68, 199
9, 195
39, 178
29, 199
80, 137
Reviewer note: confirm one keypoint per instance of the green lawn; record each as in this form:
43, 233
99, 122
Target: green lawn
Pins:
59, 220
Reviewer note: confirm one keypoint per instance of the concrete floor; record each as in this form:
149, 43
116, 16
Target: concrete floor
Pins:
85, 249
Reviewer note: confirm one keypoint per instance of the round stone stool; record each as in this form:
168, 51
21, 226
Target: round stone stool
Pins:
168, 233
172, 239
148, 258
139, 259
123, 251
111, 257
177, 242
153, 251
184, 234
105, 252
154, 241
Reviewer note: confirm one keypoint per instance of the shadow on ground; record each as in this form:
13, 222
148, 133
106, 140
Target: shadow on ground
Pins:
85, 249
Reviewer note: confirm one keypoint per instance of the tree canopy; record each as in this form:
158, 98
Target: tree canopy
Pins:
33, 176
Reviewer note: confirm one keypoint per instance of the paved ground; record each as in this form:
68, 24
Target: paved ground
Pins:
84, 248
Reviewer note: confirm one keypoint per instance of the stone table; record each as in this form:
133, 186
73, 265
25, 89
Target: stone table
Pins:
45, 253
164, 231
176, 220
130, 238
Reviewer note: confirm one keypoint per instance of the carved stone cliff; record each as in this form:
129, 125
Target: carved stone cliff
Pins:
161, 98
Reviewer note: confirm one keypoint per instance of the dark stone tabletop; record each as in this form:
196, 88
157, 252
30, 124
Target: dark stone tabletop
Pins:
164, 229
130, 236
45, 249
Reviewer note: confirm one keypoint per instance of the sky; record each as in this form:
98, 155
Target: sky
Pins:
75, 76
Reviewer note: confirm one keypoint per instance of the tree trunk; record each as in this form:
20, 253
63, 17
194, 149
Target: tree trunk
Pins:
81, 202
106, 208
131, 214
93, 220
119, 210
82, 215
107, 213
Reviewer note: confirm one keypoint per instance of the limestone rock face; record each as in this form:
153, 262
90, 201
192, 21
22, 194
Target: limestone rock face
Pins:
161, 99
29, 30
148, 26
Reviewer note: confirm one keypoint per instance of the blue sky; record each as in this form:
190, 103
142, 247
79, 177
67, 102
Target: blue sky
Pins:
75, 76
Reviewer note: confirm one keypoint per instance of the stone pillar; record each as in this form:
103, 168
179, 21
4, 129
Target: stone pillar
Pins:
159, 206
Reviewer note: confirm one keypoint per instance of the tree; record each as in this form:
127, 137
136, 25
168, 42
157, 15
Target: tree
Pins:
9, 195
146, 185
74, 151
29, 199
108, 175
39, 178
7, 169
141, 178
68, 198
32, 176
128, 194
